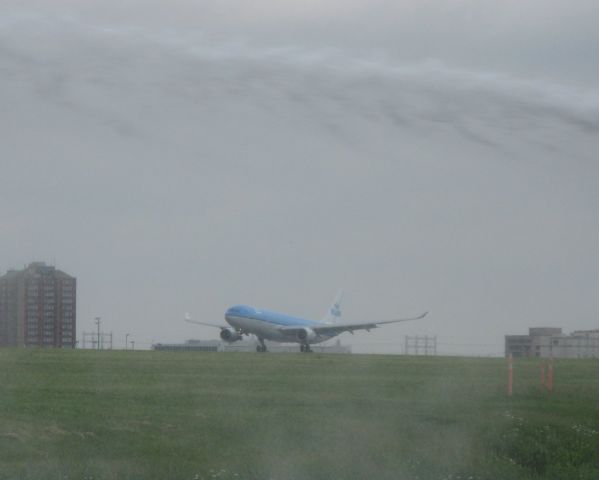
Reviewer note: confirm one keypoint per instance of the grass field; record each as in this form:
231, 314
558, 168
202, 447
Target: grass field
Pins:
159, 415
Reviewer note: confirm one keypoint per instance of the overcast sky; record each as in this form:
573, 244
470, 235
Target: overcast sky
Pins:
190, 155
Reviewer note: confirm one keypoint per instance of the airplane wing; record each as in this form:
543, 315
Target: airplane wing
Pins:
349, 327
189, 320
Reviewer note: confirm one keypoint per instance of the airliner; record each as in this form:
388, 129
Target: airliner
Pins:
279, 327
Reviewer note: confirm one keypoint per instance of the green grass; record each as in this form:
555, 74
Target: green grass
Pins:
159, 415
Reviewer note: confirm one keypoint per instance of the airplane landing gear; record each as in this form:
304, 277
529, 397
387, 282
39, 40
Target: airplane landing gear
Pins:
305, 348
261, 348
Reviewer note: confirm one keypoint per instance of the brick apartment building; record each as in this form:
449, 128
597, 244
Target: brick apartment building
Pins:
38, 307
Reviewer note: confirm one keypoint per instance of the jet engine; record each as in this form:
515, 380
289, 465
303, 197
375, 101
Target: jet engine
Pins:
306, 335
230, 335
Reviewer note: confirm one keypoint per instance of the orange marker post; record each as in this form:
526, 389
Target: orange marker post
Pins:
542, 374
550, 376
510, 375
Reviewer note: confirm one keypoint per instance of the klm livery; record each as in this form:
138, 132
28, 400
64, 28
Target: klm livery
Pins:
278, 327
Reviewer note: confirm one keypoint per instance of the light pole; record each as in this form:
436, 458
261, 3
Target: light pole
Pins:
98, 324
132, 344
126, 338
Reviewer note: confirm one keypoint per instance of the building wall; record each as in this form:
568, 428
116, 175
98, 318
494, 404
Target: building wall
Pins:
576, 346
10, 299
38, 307
518, 345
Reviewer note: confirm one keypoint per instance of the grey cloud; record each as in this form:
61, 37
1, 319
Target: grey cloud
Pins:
326, 84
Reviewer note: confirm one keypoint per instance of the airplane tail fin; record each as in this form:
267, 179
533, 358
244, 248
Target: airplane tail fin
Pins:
334, 313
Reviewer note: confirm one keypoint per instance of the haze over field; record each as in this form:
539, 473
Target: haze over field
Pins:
186, 156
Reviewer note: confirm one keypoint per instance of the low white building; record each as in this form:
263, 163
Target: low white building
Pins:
247, 346
579, 344
551, 342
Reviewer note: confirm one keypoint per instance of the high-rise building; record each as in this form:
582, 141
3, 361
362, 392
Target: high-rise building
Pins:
38, 307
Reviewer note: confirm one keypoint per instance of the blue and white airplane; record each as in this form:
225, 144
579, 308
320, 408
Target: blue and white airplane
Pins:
279, 327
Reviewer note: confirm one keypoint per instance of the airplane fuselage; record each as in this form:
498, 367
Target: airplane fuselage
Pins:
266, 324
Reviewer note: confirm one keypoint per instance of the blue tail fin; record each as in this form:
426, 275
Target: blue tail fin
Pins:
334, 313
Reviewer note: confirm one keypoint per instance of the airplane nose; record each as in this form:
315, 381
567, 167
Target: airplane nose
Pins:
232, 311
